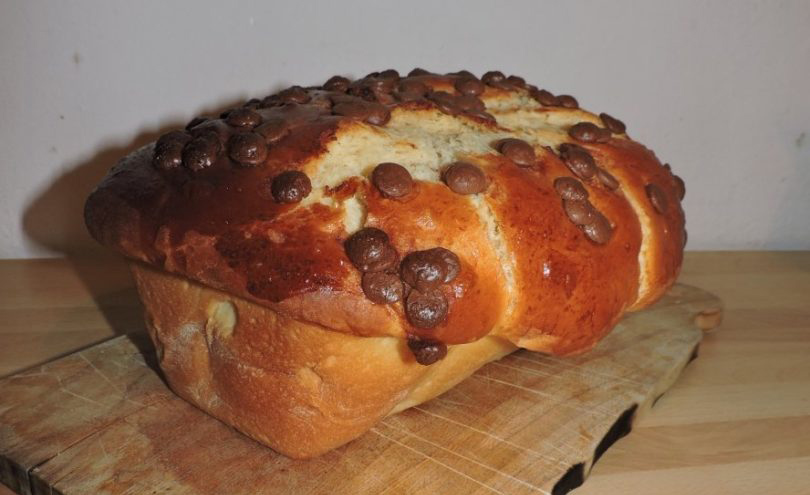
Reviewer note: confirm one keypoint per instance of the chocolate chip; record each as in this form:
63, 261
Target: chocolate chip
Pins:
373, 113
392, 179
338, 98
322, 103
423, 270
294, 94
384, 85
483, 115
412, 86
445, 101
516, 81
195, 122
367, 92
173, 137
382, 287
271, 101
493, 76
354, 109
452, 265
290, 186
247, 148
657, 197
273, 130
244, 118
680, 187
469, 103
214, 129
430, 268
465, 178
578, 160
426, 309
253, 103
388, 74
378, 114
369, 250
372, 89
400, 96
588, 132
570, 189
567, 101
607, 179
613, 124
469, 86
337, 83
418, 72
169, 150
462, 73
425, 351
599, 229
579, 212
517, 150
502, 85
201, 152
168, 156
667, 167
545, 98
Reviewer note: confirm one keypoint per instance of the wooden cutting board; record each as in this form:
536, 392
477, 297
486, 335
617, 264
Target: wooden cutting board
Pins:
102, 421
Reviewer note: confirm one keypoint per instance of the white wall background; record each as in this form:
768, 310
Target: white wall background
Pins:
720, 89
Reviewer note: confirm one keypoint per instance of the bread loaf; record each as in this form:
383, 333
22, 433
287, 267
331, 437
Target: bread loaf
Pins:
316, 260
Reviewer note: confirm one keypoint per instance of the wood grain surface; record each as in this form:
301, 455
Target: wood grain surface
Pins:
738, 421
102, 421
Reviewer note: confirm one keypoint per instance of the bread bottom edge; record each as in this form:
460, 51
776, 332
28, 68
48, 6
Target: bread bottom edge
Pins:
295, 387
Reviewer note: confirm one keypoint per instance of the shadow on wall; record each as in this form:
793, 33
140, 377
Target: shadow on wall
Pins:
55, 220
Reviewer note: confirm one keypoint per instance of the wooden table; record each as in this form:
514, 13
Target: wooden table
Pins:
737, 421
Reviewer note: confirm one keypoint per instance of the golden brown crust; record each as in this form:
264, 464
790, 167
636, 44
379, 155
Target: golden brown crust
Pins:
436, 216
221, 226
293, 386
569, 291
537, 270
635, 167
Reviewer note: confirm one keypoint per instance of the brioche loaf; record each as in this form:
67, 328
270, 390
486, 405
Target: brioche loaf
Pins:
316, 260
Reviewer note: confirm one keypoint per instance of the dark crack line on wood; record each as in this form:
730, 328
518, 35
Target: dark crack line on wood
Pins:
572, 478
620, 428
575, 476
14, 476
695, 353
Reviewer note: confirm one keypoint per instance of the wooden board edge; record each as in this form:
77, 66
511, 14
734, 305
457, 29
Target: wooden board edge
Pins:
578, 473
705, 320
14, 476
24, 480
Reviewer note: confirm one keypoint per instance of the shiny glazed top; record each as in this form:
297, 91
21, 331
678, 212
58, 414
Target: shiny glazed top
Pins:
504, 210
